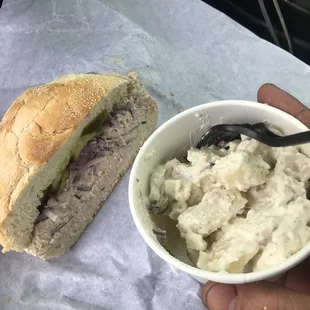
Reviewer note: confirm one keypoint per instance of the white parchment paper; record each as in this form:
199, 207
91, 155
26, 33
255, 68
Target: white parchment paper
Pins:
186, 53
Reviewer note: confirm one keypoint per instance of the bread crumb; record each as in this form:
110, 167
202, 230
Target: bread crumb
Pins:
116, 59
133, 75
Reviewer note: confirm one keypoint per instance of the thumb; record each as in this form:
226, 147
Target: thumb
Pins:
255, 296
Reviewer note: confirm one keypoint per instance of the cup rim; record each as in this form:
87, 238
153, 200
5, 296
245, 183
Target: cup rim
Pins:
194, 271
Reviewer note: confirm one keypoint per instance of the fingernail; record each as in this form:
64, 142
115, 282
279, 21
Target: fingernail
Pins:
221, 297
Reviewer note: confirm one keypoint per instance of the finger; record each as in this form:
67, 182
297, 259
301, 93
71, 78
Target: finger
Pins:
278, 98
298, 279
254, 296
268, 295
217, 296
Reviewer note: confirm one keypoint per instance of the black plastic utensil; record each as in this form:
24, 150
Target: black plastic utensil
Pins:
219, 135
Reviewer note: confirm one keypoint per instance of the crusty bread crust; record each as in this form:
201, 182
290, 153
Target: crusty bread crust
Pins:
36, 126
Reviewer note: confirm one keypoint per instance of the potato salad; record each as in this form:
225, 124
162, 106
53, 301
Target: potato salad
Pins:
240, 208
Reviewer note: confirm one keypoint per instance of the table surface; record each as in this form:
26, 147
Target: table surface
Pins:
186, 53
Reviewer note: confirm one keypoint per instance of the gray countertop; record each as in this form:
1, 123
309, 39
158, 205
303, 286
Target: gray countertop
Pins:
186, 53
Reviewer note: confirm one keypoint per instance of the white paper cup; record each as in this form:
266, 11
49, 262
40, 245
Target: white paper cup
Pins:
175, 137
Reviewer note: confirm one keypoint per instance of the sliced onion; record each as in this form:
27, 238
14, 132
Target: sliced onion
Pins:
41, 217
94, 161
50, 214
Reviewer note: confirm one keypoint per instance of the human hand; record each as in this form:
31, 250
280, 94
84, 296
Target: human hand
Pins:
292, 291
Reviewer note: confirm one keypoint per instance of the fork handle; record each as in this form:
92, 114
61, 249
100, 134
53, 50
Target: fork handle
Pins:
274, 141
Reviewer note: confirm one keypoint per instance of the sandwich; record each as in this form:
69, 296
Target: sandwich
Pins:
64, 146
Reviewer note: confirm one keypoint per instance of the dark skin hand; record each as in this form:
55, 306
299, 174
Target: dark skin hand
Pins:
292, 291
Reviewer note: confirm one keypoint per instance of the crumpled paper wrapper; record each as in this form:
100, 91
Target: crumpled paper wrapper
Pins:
186, 53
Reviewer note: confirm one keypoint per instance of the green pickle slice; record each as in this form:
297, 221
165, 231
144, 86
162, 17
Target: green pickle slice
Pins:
89, 132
